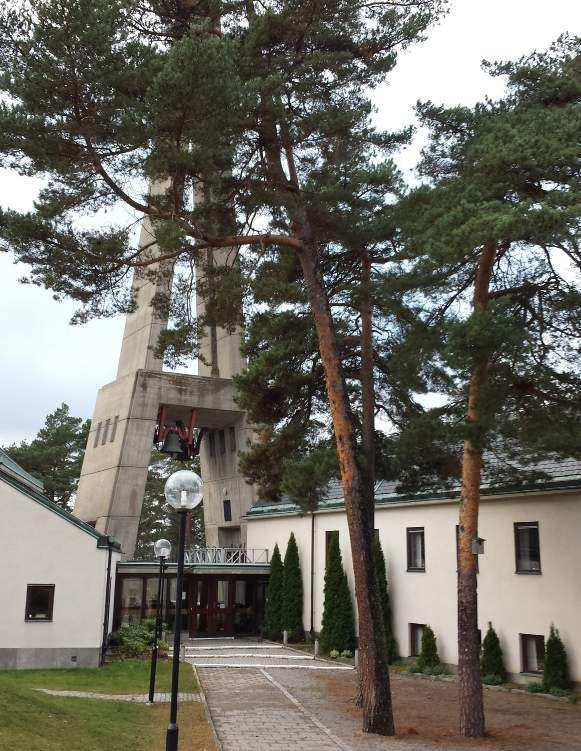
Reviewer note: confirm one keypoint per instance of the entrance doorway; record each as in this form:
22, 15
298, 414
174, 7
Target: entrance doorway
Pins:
225, 605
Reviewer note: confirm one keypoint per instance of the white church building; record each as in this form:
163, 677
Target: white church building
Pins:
529, 574
57, 583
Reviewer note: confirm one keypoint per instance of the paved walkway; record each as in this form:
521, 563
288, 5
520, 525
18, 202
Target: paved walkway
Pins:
136, 698
249, 707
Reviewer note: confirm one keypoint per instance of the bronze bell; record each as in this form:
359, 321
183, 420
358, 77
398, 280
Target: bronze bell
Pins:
172, 444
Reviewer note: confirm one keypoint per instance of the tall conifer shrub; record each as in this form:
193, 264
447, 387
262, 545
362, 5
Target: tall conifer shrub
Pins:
491, 661
274, 591
556, 668
338, 631
379, 560
428, 657
292, 593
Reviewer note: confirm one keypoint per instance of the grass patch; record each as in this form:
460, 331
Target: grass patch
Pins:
119, 677
38, 722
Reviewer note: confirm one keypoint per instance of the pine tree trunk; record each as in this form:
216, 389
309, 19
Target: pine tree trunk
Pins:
472, 723
375, 690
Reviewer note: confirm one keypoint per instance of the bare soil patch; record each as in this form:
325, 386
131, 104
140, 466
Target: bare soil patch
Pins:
427, 711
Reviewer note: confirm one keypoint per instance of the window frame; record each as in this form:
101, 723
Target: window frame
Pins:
49, 619
410, 532
525, 667
413, 627
517, 549
328, 538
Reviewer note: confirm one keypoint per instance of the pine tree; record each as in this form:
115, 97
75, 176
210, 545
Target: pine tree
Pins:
292, 592
491, 294
338, 629
55, 456
273, 619
428, 657
379, 559
556, 666
491, 660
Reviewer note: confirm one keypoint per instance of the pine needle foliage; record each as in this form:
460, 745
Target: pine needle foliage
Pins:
556, 666
338, 629
292, 592
380, 567
273, 617
428, 657
491, 660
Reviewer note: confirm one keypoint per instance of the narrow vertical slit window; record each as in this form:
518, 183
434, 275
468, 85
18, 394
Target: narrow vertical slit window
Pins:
97, 435
212, 443
227, 510
222, 440
233, 439
416, 635
105, 432
114, 428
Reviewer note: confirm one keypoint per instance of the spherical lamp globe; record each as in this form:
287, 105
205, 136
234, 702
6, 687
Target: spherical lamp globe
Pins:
183, 490
162, 548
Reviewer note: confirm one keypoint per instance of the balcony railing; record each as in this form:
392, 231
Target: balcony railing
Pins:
231, 556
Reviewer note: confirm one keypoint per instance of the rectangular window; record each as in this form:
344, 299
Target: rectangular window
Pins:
222, 593
222, 439
131, 600
97, 435
227, 510
329, 534
39, 602
114, 428
416, 549
458, 550
232, 439
527, 548
212, 443
532, 649
105, 432
416, 633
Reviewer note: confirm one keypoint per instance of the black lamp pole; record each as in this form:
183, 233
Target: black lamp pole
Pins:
157, 632
171, 739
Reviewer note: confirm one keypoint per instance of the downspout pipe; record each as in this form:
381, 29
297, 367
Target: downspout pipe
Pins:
108, 542
312, 618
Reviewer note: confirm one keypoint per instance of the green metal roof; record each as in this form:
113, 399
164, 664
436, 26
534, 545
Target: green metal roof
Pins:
12, 474
13, 467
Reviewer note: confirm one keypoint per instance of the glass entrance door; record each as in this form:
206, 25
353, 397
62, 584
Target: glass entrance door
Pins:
211, 606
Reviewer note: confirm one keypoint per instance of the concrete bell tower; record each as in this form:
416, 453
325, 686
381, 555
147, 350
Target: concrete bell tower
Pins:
120, 442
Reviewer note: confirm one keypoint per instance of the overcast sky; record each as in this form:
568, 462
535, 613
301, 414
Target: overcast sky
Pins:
45, 361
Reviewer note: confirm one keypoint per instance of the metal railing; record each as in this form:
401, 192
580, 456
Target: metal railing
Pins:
232, 556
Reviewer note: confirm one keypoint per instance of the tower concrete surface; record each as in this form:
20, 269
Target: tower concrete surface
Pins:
118, 453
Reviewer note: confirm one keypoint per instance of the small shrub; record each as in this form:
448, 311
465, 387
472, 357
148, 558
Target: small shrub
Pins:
492, 680
437, 670
134, 640
559, 692
491, 661
556, 669
334, 653
535, 688
414, 668
346, 653
428, 657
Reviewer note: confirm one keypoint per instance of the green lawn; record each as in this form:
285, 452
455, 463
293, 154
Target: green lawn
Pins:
38, 722
119, 677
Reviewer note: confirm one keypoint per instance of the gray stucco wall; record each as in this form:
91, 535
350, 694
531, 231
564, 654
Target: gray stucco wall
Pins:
24, 658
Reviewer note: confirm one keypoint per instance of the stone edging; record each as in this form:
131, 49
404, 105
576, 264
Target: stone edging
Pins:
207, 711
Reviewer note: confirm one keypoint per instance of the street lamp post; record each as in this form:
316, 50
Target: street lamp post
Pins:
162, 550
183, 492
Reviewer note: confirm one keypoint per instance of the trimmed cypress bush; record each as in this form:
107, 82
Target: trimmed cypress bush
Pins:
380, 568
556, 668
429, 657
273, 606
292, 592
338, 630
491, 660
